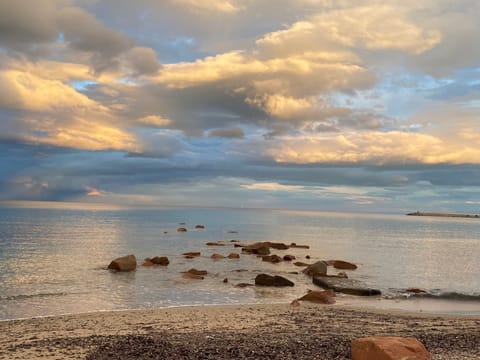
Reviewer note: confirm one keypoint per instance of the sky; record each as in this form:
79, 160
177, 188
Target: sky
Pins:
348, 105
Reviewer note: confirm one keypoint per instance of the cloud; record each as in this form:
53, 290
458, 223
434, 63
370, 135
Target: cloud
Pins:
230, 133
143, 61
223, 6
369, 148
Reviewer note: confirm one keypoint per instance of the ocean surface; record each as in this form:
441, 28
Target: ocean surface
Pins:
53, 260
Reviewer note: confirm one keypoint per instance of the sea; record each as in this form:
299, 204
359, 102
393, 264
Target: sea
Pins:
53, 259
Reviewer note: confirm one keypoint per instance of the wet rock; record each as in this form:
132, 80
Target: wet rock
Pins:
217, 257
260, 248
317, 268
319, 297
182, 229
389, 348
233, 256
269, 280
307, 257
344, 265
338, 287
232, 232
289, 258
191, 255
147, 263
188, 275
196, 272
299, 263
225, 281
294, 245
416, 291
243, 285
199, 226
274, 259
214, 243
124, 263
278, 246
160, 260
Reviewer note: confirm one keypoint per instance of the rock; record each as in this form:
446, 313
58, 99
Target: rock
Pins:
234, 241
125, 263
337, 287
317, 268
269, 280
199, 226
225, 281
307, 257
299, 263
182, 229
295, 303
214, 243
279, 246
319, 297
147, 262
188, 275
196, 272
192, 254
389, 348
344, 265
416, 291
160, 260
217, 257
243, 285
274, 259
340, 275
232, 232
294, 245
233, 256
260, 248
289, 257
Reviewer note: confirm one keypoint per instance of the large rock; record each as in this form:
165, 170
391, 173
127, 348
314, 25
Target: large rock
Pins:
269, 280
344, 265
388, 348
344, 285
125, 263
319, 297
317, 268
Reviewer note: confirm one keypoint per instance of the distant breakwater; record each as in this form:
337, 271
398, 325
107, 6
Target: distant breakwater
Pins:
418, 213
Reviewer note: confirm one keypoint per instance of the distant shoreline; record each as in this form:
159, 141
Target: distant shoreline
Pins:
469, 216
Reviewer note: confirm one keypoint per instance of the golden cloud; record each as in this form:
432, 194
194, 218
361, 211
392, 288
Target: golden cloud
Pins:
375, 148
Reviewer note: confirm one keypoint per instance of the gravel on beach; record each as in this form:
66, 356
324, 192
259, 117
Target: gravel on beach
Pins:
232, 332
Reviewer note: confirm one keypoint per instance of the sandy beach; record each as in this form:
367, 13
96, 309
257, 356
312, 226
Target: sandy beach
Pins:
278, 331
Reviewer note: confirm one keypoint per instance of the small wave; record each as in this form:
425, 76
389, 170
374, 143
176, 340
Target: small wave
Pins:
29, 296
451, 295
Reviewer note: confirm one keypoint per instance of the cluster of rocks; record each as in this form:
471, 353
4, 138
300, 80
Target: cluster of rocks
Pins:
318, 271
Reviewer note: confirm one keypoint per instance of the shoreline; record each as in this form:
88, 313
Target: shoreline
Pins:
239, 331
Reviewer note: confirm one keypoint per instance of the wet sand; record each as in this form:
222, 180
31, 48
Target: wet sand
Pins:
278, 331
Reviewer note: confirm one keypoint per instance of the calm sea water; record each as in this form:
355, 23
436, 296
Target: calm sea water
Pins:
53, 261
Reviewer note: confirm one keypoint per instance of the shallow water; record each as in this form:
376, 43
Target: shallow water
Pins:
52, 261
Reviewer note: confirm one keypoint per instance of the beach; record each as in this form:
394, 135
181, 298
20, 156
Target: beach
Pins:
268, 331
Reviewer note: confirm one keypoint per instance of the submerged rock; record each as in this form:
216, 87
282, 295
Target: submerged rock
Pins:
289, 257
233, 256
182, 229
160, 260
272, 258
199, 226
196, 272
344, 265
269, 280
294, 245
217, 257
278, 246
124, 263
191, 255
